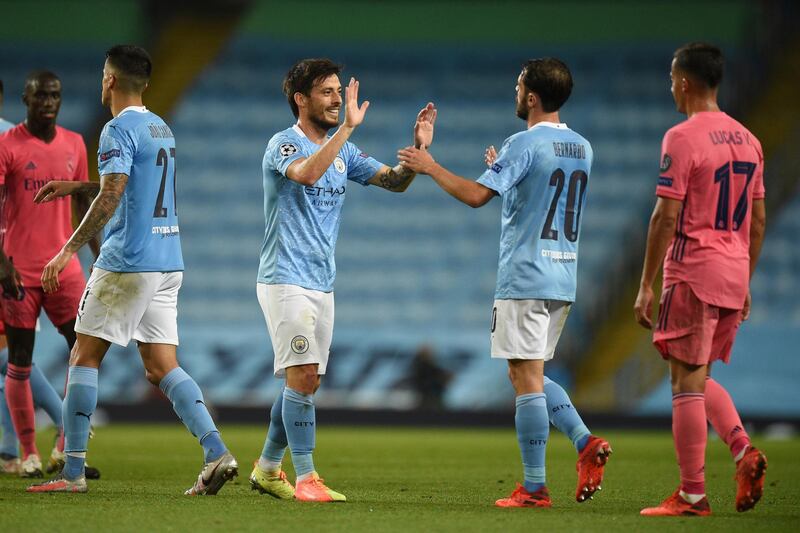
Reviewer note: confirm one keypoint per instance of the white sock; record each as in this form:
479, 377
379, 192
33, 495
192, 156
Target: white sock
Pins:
304, 476
268, 466
692, 498
740, 454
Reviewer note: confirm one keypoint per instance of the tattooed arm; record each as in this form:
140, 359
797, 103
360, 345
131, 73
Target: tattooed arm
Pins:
395, 179
56, 189
83, 201
111, 188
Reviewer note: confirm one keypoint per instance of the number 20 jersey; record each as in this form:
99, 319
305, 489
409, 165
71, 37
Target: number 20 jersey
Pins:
715, 167
143, 234
542, 174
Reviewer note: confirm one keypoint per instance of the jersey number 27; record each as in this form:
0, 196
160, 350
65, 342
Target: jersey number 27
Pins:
162, 161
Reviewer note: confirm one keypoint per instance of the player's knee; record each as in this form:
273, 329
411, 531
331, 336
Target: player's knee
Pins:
153, 377
306, 379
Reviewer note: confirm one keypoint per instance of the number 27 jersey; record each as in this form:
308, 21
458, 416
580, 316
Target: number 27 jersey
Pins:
542, 174
143, 235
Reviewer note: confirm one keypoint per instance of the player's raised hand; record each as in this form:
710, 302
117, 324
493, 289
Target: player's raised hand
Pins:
55, 189
52, 269
417, 159
490, 156
643, 307
11, 280
353, 113
423, 128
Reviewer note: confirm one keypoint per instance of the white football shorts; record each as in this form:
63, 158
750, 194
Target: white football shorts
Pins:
300, 325
527, 329
120, 306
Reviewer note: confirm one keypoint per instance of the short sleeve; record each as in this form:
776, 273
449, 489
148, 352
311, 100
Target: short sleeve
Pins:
360, 166
82, 168
759, 192
512, 164
115, 154
282, 151
676, 166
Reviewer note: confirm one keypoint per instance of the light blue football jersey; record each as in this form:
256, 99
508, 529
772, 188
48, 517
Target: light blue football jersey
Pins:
5, 125
143, 235
542, 175
302, 222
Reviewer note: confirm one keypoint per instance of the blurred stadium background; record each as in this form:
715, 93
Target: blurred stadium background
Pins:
416, 271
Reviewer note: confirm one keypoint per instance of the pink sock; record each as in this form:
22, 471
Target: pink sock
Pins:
724, 418
20, 405
690, 432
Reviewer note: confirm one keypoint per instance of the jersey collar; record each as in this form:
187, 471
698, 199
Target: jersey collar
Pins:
556, 125
297, 130
136, 108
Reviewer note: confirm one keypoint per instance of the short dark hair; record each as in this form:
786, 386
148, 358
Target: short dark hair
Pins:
133, 66
1, 88
550, 79
303, 75
41, 76
701, 61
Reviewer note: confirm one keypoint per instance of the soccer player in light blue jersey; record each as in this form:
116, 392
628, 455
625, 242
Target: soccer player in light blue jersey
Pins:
133, 290
306, 173
541, 174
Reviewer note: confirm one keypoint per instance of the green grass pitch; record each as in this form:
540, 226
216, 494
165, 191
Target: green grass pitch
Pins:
396, 479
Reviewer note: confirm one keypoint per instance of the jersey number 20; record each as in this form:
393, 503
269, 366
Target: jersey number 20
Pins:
575, 197
161, 161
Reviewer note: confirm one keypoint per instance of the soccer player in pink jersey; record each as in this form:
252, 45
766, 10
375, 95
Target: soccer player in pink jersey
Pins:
707, 227
31, 154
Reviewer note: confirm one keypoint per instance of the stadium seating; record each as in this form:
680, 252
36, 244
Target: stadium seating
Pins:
417, 267
80, 80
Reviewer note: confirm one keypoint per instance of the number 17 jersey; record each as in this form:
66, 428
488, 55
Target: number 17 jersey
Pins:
542, 174
143, 235
715, 167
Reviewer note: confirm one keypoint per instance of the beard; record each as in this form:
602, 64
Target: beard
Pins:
321, 121
522, 111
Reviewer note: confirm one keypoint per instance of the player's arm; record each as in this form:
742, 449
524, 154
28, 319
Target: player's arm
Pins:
399, 177
57, 189
83, 202
307, 171
659, 235
10, 278
758, 224
112, 186
470, 192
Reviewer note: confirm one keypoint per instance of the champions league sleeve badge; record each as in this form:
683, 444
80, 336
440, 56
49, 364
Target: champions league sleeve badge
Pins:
287, 149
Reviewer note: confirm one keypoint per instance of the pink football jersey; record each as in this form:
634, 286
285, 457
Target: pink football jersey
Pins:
34, 233
715, 166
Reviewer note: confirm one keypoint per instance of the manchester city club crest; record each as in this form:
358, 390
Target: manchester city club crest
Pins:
338, 164
287, 149
299, 344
